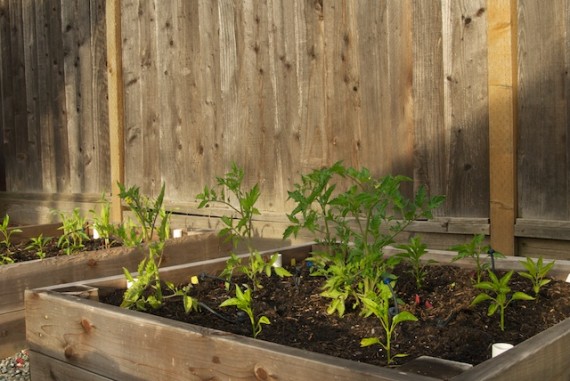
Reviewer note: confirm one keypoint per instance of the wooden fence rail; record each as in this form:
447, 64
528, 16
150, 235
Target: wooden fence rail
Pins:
468, 97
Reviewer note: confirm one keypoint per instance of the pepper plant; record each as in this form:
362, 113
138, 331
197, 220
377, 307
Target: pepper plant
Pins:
39, 244
145, 290
413, 254
102, 222
536, 272
243, 301
378, 304
498, 293
7, 232
474, 249
354, 226
74, 235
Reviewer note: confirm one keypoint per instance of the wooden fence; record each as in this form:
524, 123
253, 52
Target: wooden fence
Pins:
468, 97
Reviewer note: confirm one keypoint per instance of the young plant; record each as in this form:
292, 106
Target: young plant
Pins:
230, 193
128, 234
39, 244
354, 226
243, 301
7, 232
102, 222
474, 249
74, 235
378, 304
536, 272
498, 292
144, 208
414, 251
145, 290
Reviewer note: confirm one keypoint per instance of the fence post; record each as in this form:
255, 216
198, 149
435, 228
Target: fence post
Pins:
116, 111
502, 82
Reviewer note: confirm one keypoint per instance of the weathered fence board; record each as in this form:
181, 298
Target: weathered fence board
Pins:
281, 87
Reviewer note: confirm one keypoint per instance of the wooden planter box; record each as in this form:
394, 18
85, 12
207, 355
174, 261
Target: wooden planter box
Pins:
17, 277
74, 337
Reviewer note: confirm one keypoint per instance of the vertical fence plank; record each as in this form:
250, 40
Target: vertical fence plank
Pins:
502, 57
116, 118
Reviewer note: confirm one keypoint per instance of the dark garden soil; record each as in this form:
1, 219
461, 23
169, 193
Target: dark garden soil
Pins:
447, 327
20, 253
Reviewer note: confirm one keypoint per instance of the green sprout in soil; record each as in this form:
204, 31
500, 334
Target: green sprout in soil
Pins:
7, 232
536, 272
74, 235
474, 249
498, 293
39, 244
413, 254
243, 301
378, 304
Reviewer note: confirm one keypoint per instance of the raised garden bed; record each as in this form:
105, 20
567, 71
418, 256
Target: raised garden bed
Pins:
81, 338
17, 277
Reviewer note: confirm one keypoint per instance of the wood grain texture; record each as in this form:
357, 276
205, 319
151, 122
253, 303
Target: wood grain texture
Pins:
281, 87
16, 278
543, 110
116, 121
56, 328
92, 337
47, 369
502, 61
12, 332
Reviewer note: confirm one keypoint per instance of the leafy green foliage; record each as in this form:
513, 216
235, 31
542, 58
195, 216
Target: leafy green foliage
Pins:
414, 251
128, 234
536, 272
353, 226
145, 209
498, 293
474, 249
378, 304
102, 222
39, 244
74, 234
230, 192
243, 301
7, 232
146, 289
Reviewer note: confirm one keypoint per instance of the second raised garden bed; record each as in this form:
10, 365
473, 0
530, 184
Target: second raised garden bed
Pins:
17, 277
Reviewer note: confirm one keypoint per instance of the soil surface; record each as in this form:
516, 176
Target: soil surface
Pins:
21, 253
447, 326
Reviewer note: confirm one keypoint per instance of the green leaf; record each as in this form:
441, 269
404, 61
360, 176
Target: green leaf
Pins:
403, 316
480, 298
521, 296
264, 320
368, 341
492, 309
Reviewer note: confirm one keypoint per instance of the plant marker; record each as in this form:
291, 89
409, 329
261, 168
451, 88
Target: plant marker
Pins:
96, 234
279, 261
176, 233
499, 348
130, 284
